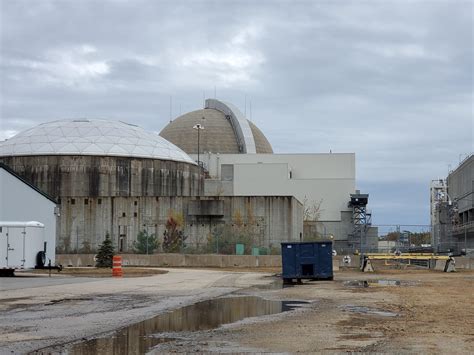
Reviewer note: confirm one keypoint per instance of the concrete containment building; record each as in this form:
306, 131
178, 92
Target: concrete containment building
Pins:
239, 161
227, 131
113, 177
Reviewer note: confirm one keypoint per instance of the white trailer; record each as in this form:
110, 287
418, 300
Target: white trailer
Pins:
22, 246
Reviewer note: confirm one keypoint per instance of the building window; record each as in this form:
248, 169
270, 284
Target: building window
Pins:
73, 201
227, 172
86, 201
123, 214
135, 214
122, 243
99, 201
135, 203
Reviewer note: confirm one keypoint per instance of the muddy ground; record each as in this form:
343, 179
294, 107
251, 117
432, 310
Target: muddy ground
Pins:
428, 312
421, 311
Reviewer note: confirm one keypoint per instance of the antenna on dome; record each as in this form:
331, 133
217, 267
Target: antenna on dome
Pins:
171, 108
250, 103
245, 110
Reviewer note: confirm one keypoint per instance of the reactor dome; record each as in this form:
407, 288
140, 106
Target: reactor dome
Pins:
226, 131
92, 137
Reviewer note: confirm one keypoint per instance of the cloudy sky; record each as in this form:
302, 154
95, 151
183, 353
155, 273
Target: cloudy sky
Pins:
391, 81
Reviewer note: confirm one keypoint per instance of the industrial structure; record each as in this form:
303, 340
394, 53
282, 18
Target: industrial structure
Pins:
110, 177
452, 209
209, 173
239, 161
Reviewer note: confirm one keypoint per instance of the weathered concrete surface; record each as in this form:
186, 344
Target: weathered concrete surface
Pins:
123, 196
179, 260
464, 262
55, 313
184, 260
64, 176
84, 222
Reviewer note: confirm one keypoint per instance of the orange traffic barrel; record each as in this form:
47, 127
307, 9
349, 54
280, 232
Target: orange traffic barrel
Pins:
117, 266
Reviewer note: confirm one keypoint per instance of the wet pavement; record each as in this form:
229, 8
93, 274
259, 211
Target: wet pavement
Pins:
368, 283
22, 281
142, 337
367, 310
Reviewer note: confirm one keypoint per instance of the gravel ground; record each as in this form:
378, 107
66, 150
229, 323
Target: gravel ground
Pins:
426, 312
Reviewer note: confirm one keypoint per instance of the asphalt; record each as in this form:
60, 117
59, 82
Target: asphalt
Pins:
34, 281
39, 311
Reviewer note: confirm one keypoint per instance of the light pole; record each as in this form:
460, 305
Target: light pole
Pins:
198, 127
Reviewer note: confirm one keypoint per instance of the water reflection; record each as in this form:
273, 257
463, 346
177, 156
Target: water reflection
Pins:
139, 338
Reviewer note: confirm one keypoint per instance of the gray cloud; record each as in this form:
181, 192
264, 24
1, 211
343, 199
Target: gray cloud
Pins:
391, 81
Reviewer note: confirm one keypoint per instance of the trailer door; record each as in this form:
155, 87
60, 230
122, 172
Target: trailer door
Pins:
3, 247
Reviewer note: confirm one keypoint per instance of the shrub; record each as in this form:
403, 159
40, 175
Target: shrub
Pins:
173, 237
106, 253
146, 243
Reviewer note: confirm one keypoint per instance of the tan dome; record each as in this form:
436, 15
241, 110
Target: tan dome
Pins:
218, 136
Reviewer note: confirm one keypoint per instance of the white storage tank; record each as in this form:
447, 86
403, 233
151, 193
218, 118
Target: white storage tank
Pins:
22, 246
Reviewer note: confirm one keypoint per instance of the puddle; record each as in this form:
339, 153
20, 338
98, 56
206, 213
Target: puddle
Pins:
367, 283
141, 337
62, 300
386, 282
367, 310
276, 284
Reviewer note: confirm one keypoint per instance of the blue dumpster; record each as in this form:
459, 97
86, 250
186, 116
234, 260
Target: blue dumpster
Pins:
306, 260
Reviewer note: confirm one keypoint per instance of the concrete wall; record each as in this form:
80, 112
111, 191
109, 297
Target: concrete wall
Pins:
328, 179
95, 176
461, 188
122, 196
19, 202
84, 226
213, 260
178, 260
185, 260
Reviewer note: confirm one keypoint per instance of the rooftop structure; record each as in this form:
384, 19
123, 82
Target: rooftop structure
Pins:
91, 137
226, 131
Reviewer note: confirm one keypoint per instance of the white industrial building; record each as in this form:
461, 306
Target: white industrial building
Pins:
326, 179
21, 202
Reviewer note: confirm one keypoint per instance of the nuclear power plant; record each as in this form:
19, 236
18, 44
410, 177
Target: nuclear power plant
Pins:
211, 170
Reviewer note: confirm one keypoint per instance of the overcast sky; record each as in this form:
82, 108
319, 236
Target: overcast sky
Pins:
391, 81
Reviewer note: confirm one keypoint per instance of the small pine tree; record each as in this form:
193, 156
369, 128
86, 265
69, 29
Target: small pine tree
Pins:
145, 243
106, 253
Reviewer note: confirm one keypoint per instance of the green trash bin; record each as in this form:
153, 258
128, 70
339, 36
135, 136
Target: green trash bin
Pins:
256, 251
239, 249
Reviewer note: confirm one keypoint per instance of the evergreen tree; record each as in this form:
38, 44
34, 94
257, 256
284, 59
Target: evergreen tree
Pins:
106, 253
146, 243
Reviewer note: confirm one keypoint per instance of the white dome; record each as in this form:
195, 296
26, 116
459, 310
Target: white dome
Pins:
92, 137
